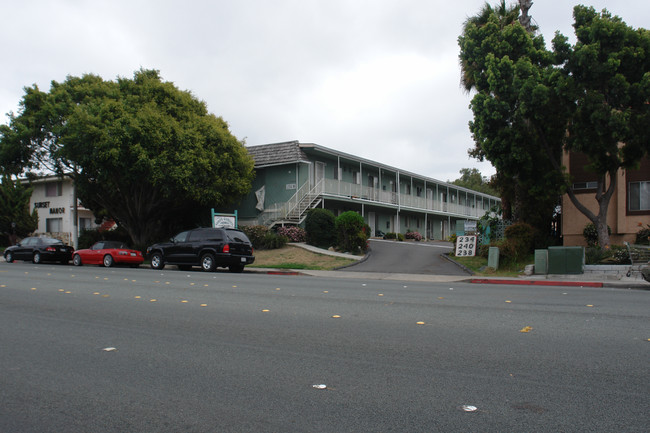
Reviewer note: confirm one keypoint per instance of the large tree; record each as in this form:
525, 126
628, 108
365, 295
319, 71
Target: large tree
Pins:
16, 221
605, 77
531, 104
139, 149
472, 179
502, 62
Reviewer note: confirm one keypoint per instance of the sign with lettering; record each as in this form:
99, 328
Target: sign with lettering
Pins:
470, 226
224, 220
57, 210
41, 205
466, 246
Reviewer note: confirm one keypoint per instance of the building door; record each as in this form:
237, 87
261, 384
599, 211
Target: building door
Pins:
372, 222
319, 172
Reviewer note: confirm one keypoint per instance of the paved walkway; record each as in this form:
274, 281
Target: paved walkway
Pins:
545, 280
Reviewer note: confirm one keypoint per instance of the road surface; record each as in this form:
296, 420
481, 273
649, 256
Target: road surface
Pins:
93, 349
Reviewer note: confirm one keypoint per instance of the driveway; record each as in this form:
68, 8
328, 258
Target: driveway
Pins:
407, 258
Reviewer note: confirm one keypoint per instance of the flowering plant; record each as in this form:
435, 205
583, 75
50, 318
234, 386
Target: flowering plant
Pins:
414, 235
294, 233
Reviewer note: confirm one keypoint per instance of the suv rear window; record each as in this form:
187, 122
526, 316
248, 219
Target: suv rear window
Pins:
205, 235
237, 236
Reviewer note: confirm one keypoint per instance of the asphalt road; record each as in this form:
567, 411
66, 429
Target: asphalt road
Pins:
198, 352
408, 258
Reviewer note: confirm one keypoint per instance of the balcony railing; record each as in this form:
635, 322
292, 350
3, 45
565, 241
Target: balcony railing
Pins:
349, 190
334, 188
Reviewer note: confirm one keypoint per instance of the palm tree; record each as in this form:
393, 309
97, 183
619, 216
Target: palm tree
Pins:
504, 15
524, 18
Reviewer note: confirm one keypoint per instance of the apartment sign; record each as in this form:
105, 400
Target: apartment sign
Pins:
224, 220
466, 246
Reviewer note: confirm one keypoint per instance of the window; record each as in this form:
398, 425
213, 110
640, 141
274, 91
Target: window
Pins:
407, 189
418, 191
84, 224
53, 189
181, 237
53, 225
639, 198
585, 185
356, 178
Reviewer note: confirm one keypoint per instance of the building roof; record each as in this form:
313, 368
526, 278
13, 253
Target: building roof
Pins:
277, 153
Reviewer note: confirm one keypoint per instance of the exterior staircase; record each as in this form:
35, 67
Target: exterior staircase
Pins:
295, 210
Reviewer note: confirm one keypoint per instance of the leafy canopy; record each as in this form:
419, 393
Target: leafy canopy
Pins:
15, 219
143, 151
472, 179
531, 104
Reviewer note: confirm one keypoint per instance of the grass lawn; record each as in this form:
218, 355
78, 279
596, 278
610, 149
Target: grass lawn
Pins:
478, 265
291, 257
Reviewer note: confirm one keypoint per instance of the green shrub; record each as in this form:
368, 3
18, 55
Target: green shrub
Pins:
400, 237
319, 226
484, 251
256, 234
596, 255
390, 235
620, 255
508, 252
352, 232
643, 235
273, 241
590, 234
520, 237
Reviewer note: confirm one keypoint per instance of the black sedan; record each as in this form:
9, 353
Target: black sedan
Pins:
38, 250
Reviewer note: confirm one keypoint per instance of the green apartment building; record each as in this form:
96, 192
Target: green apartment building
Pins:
293, 177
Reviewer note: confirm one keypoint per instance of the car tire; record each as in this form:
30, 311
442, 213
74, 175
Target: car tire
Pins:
76, 260
236, 268
36, 258
108, 261
9, 257
157, 262
207, 262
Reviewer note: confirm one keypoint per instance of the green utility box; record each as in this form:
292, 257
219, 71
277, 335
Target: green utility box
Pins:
541, 262
566, 260
493, 258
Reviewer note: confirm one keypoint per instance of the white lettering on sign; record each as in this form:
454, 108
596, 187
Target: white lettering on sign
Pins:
224, 222
292, 186
466, 246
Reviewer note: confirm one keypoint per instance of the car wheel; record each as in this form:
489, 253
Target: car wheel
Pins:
9, 257
36, 258
207, 262
157, 261
236, 268
76, 260
108, 260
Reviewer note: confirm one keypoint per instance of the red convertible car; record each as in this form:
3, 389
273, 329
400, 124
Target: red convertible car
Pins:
108, 253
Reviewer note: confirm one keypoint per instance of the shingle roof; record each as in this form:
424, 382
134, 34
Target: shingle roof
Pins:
276, 153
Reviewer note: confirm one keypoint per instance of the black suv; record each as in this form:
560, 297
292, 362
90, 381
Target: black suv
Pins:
206, 247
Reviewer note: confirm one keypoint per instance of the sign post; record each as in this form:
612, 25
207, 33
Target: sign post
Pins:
224, 220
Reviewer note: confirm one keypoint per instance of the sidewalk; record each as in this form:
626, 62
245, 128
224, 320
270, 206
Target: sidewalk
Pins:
532, 280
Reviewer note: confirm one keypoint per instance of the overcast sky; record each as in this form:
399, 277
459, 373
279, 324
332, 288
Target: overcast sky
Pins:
378, 79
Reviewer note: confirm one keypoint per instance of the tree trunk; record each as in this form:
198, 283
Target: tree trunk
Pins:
524, 18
